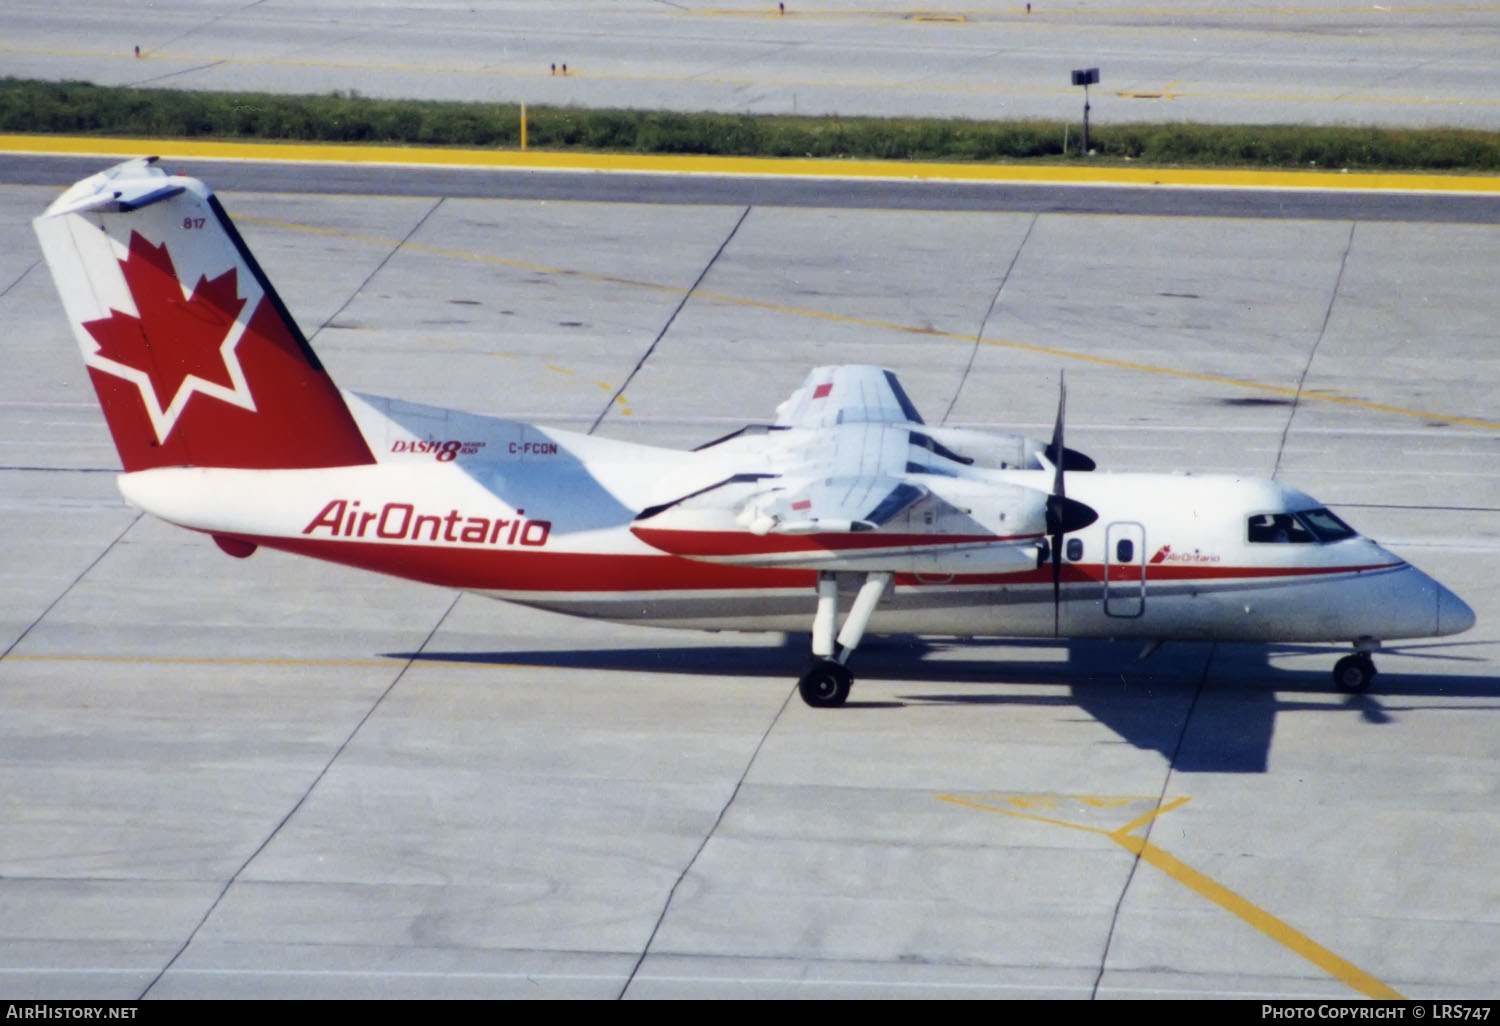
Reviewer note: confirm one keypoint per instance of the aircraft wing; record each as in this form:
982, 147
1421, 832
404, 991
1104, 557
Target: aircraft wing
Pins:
909, 523
849, 481
847, 395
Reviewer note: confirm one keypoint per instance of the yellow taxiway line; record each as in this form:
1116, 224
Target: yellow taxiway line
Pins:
1030, 807
538, 160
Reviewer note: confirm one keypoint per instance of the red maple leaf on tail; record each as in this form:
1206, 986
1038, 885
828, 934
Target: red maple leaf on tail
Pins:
173, 337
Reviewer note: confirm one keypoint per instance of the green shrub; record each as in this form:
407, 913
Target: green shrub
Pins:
79, 108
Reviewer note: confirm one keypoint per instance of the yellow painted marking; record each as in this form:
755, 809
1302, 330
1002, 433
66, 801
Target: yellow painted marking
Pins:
1146, 818
1077, 812
1166, 92
1279, 931
1262, 920
442, 659
1312, 395
534, 159
198, 661
1106, 803
187, 61
1043, 7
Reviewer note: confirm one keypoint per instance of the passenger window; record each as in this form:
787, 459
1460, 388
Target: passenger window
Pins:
1124, 550
1074, 550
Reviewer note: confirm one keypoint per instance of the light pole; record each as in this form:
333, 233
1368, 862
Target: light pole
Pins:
1085, 77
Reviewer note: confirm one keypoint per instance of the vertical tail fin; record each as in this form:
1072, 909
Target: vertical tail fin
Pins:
194, 357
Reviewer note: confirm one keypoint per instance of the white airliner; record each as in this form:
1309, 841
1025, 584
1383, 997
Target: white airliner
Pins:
844, 515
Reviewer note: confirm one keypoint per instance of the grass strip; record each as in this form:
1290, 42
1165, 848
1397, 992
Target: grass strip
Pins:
81, 108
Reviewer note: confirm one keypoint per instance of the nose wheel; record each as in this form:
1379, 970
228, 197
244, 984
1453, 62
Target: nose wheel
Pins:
1353, 673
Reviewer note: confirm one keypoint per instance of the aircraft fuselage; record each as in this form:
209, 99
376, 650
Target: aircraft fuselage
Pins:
546, 518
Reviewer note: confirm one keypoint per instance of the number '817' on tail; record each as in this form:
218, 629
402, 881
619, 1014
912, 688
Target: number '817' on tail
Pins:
194, 357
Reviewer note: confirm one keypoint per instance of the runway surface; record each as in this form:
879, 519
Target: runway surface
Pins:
1277, 61
276, 777
1319, 199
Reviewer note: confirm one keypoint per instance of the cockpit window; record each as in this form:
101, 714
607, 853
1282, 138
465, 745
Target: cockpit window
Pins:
1306, 527
1278, 527
1325, 525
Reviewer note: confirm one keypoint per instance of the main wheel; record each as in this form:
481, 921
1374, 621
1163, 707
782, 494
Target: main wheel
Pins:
1353, 673
826, 684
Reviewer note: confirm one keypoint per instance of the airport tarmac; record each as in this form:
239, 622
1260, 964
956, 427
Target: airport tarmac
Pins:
274, 777
1277, 61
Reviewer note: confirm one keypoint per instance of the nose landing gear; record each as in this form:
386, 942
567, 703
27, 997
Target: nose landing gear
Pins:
1353, 673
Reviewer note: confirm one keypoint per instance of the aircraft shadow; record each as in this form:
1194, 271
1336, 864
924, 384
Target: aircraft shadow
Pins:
1204, 707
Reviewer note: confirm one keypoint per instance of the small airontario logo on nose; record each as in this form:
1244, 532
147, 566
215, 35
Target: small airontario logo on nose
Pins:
1166, 555
177, 343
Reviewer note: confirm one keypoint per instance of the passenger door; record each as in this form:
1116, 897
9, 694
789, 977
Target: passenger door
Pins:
1125, 570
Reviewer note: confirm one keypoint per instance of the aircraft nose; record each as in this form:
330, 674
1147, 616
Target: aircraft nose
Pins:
1453, 614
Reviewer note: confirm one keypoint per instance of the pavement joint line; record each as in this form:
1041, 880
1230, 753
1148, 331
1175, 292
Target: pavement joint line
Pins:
9, 651
755, 167
988, 313
213, 906
718, 822
1302, 391
1316, 395
394, 248
687, 294
1201, 884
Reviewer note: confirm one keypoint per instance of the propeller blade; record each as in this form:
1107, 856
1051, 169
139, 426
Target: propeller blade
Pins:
1059, 455
1057, 436
1057, 504
1057, 585
1063, 514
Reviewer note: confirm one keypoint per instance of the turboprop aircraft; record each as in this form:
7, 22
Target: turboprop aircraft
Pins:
846, 514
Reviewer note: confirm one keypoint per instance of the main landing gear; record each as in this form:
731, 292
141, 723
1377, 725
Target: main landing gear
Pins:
826, 683
1353, 673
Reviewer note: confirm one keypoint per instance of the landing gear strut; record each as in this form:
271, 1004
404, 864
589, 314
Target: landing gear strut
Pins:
826, 683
